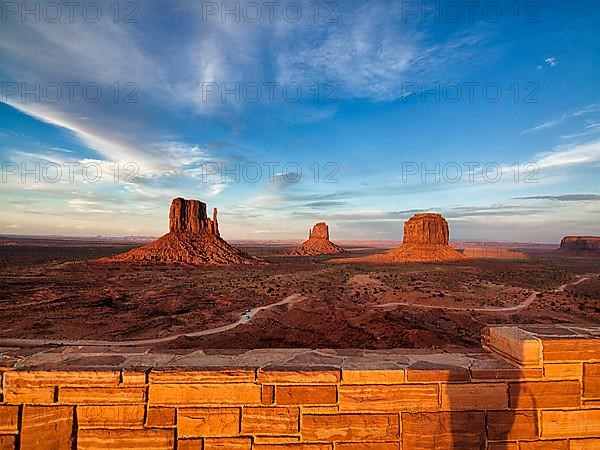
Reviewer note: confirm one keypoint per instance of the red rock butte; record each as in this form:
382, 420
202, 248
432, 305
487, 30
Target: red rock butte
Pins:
318, 243
193, 238
580, 246
426, 238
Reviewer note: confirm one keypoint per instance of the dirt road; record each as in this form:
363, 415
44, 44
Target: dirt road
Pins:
508, 309
245, 317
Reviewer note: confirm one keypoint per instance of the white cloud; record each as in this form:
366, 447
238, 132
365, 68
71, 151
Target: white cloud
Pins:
589, 109
216, 189
583, 154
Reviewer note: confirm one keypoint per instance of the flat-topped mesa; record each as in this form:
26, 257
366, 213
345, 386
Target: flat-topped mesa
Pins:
581, 242
318, 243
189, 216
584, 246
193, 238
426, 238
427, 228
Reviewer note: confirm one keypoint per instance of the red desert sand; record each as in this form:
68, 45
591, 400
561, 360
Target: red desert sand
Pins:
318, 243
193, 238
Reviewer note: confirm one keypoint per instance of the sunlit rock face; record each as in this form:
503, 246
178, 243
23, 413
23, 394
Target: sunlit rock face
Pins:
426, 229
318, 243
189, 216
426, 238
193, 238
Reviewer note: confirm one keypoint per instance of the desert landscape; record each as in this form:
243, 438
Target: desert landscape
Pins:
301, 225
191, 289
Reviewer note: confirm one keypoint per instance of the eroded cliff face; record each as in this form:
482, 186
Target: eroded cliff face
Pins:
193, 238
426, 229
318, 243
426, 238
583, 246
189, 216
319, 231
581, 242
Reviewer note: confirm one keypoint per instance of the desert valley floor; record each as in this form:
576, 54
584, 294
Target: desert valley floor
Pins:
54, 290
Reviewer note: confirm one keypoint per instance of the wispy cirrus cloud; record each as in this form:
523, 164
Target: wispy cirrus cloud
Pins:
563, 198
586, 110
587, 154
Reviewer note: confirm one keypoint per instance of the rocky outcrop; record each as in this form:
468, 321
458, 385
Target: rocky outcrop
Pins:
318, 243
426, 238
193, 238
426, 229
581, 242
580, 246
189, 216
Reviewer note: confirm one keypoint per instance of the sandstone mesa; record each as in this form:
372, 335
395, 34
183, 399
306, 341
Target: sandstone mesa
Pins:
318, 243
193, 238
580, 246
426, 238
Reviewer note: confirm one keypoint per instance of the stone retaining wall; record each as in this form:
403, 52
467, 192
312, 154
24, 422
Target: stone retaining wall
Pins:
534, 387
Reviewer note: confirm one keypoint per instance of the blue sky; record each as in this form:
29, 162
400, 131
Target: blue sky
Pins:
359, 115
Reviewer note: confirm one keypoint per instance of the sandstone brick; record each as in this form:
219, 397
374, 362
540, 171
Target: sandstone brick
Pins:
126, 439
23, 394
8, 442
189, 444
205, 394
564, 371
201, 422
542, 394
334, 409
298, 376
132, 378
444, 430
241, 443
111, 416
353, 376
268, 395
369, 446
177, 375
160, 417
544, 445
9, 419
506, 374
292, 447
305, 395
424, 371
571, 424
389, 398
584, 444
270, 420
571, 349
350, 427
474, 396
81, 395
591, 380
47, 427
512, 425
496, 369
37, 378
514, 344
503, 446
276, 440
